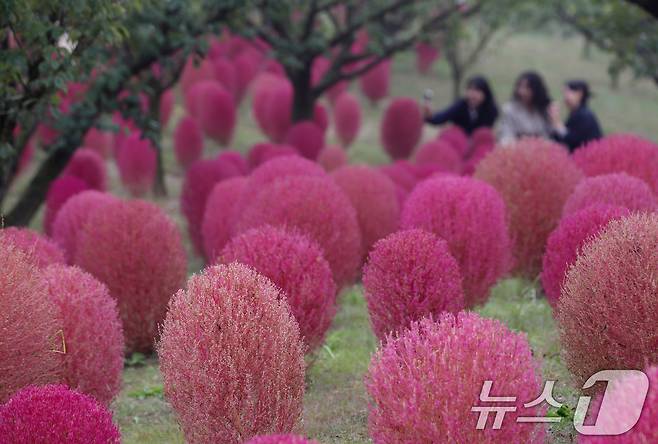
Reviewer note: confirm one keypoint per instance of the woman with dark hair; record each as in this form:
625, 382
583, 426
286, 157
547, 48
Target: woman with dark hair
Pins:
527, 114
475, 110
582, 125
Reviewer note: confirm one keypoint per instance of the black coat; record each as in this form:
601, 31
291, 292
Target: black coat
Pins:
459, 114
582, 127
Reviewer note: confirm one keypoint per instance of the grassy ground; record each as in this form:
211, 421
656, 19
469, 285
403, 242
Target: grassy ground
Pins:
335, 409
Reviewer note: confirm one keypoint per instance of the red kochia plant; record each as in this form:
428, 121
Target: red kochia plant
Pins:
92, 332
281, 439
30, 345
231, 349
401, 127
262, 152
317, 207
41, 250
424, 382
618, 153
618, 189
220, 215
374, 198
100, 141
321, 117
470, 215
426, 55
55, 414
236, 159
216, 112
272, 105
608, 308
295, 264
60, 190
332, 157
307, 137
137, 162
167, 101
535, 178
88, 166
456, 137
188, 141
347, 118
441, 154
410, 275
376, 83
567, 240
142, 263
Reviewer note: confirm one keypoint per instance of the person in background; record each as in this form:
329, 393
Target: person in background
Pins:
582, 125
527, 114
475, 110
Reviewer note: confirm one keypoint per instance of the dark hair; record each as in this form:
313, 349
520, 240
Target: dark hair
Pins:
489, 104
540, 97
581, 86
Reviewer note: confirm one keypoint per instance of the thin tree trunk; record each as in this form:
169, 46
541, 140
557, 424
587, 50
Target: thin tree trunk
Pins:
159, 186
303, 105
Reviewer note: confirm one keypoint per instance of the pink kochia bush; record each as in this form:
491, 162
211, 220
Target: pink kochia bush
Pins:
91, 329
137, 162
567, 240
535, 178
216, 112
618, 153
88, 166
272, 105
424, 382
101, 142
439, 153
410, 275
28, 322
220, 215
59, 191
373, 196
608, 308
295, 264
470, 215
401, 127
41, 250
624, 392
456, 137
262, 152
347, 118
315, 206
307, 137
231, 349
188, 141
376, 83
281, 439
426, 55
332, 157
54, 414
617, 189
142, 263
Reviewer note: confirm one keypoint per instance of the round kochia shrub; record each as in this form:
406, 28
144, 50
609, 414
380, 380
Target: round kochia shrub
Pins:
59, 191
307, 137
317, 207
608, 308
456, 137
470, 215
295, 264
231, 349
40, 250
263, 152
376, 83
142, 263
91, 329
535, 178
272, 105
410, 275
87, 165
566, 241
216, 112
137, 162
220, 215
401, 127
188, 141
54, 414
424, 382
374, 198
347, 118
618, 189
332, 157
281, 439
30, 344
426, 55
441, 154
618, 153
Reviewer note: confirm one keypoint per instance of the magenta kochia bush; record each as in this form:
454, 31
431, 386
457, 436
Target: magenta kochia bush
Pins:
41, 250
89, 166
59, 191
222, 211
230, 348
374, 198
332, 157
317, 207
295, 264
566, 241
376, 83
28, 322
441, 154
618, 153
72, 217
608, 308
217, 115
188, 141
55, 414
535, 178
142, 263
456, 137
137, 162
262, 152
91, 329
470, 215
281, 439
401, 127
617, 189
410, 275
347, 118
424, 382
307, 137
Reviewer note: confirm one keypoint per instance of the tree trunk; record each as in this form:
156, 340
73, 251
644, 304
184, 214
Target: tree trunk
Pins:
159, 187
303, 105
456, 75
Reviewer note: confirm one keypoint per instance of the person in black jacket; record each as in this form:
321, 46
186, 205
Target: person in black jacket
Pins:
581, 126
476, 109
